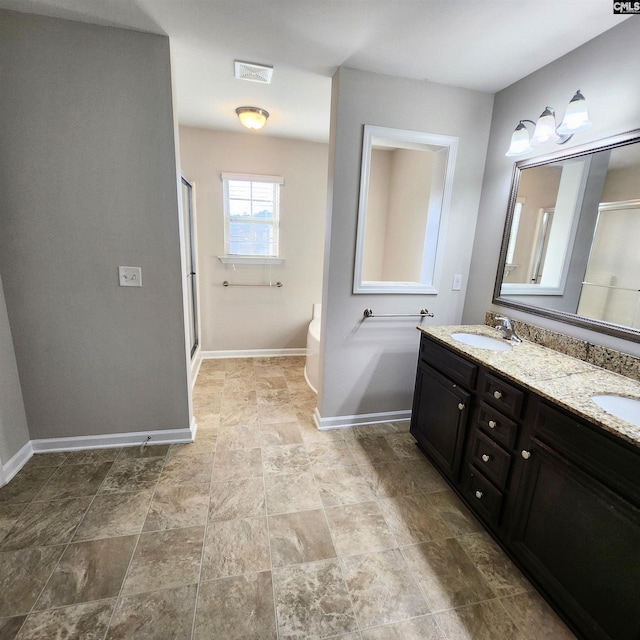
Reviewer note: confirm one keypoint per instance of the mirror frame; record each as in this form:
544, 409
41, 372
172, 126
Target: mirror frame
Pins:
620, 331
435, 226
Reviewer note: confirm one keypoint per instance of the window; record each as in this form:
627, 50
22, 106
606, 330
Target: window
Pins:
251, 215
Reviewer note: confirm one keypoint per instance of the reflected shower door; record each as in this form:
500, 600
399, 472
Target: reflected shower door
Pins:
190, 258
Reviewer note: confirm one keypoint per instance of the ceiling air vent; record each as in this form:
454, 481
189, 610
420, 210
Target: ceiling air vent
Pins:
253, 72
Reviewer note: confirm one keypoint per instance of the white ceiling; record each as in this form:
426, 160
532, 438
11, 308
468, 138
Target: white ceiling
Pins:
478, 44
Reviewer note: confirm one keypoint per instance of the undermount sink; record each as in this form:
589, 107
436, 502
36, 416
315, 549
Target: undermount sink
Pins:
482, 342
624, 408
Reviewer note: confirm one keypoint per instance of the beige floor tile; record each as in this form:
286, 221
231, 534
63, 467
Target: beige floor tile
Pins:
288, 458
237, 499
279, 433
484, 621
87, 571
413, 519
268, 414
382, 589
223, 606
115, 514
25, 485
161, 614
74, 480
373, 450
500, 573
165, 559
345, 485
535, 618
423, 628
46, 523
330, 454
391, 479
88, 621
454, 514
298, 537
312, 601
240, 436
23, 575
446, 575
196, 471
236, 464
185, 537
132, 474
9, 514
234, 547
183, 505
291, 492
359, 528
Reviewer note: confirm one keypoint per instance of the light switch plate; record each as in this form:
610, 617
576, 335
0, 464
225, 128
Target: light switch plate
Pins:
457, 283
130, 276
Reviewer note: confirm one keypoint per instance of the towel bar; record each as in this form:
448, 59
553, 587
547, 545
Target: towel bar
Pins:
368, 313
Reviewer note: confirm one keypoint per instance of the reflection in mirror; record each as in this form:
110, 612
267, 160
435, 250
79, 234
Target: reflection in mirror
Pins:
404, 192
570, 245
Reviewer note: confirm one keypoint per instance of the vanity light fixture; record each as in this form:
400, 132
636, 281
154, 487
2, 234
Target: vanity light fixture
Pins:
252, 117
575, 119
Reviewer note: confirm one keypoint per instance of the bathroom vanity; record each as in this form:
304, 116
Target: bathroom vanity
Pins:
554, 478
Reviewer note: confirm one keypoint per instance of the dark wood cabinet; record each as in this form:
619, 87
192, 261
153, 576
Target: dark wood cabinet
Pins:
560, 495
578, 536
439, 419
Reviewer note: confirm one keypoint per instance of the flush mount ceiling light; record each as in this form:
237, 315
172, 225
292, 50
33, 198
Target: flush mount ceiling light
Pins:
252, 117
575, 119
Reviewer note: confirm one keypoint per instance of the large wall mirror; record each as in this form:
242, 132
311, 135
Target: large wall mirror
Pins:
570, 245
405, 189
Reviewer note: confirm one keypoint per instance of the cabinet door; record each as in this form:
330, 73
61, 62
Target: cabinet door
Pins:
581, 541
439, 418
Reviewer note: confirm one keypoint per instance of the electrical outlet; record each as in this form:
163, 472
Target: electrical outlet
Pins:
457, 283
130, 276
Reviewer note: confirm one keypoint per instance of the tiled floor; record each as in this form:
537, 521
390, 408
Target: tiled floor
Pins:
264, 528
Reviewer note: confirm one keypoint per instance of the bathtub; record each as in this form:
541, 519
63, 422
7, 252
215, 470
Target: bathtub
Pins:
312, 364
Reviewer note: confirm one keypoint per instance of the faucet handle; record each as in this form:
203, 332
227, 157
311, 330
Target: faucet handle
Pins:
503, 322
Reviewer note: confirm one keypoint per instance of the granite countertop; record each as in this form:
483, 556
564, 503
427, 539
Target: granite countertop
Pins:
566, 381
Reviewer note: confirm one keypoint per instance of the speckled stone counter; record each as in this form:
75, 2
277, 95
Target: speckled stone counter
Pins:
566, 381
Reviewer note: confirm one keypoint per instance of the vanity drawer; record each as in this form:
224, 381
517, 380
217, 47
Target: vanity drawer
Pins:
502, 395
490, 458
453, 366
501, 429
483, 497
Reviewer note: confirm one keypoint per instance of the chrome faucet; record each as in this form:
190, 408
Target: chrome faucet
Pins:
506, 328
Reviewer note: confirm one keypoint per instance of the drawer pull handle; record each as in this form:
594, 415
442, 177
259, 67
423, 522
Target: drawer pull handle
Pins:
492, 424
479, 494
460, 406
526, 454
497, 395
485, 457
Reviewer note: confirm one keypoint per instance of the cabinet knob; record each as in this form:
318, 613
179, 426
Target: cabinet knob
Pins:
479, 494
492, 424
526, 454
485, 457
497, 395
460, 406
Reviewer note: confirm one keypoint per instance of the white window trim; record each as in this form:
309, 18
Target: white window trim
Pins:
248, 259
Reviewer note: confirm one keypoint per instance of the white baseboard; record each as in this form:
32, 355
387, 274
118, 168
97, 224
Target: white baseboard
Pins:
15, 463
105, 441
362, 419
252, 353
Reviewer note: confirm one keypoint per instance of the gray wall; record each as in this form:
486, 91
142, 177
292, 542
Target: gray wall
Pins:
369, 367
606, 70
13, 421
88, 182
